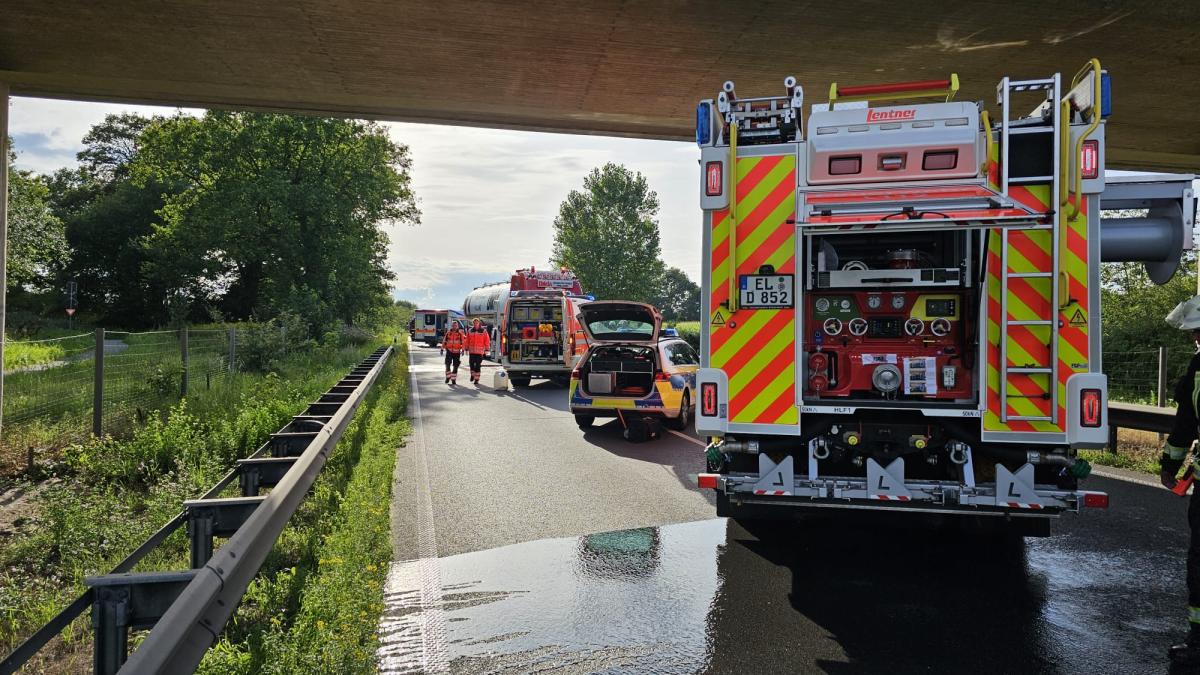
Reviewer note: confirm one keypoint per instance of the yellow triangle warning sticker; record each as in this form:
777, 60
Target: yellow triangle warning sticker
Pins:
1078, 319
717, 319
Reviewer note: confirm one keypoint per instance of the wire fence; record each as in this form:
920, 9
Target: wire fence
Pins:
61, 380
1142, 376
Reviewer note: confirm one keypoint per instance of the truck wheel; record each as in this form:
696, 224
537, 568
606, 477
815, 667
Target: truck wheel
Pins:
680, 422
585, 421
519, 380
637, 432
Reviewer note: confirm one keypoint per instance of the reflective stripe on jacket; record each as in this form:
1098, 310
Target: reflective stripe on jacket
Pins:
453, 342
478, 341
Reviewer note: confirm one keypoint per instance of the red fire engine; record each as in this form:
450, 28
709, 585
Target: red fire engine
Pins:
904, 301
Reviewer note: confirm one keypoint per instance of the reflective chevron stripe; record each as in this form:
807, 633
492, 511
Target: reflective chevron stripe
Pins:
1029, 299
757, 347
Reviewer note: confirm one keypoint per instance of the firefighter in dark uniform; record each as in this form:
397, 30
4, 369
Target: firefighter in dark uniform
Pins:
1186, 316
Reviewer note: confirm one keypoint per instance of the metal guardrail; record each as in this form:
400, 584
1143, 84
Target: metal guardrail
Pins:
187, 609
1136, 416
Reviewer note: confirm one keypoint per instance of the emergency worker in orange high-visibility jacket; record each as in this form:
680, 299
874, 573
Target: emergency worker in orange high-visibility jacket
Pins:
453, 344
478, 344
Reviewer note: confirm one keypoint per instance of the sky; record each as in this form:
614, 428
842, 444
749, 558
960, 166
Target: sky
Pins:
488, 197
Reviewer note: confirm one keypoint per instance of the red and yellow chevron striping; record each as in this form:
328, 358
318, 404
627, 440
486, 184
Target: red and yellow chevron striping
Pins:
756, 347
1030, 299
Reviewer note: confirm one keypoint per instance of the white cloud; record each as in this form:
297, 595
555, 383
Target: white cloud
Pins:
488, 197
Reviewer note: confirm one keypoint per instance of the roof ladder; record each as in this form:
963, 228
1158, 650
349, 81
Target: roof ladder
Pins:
1053, 87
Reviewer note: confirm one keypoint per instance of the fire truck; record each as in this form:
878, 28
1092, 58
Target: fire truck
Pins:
903, 295
488, 303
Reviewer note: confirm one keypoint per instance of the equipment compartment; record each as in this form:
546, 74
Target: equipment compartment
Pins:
535, 331
624, 371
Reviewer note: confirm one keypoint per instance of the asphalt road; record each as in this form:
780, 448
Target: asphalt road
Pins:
526, 545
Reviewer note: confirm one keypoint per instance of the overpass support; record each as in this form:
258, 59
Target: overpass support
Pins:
4, 150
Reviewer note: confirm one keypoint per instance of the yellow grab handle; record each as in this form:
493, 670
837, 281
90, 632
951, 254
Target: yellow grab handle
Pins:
1094, 66
732, 264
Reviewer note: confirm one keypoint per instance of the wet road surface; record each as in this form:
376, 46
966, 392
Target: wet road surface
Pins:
530, 576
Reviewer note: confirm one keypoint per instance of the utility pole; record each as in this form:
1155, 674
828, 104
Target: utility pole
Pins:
3, 234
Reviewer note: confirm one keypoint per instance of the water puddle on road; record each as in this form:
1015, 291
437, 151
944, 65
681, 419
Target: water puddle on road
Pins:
829, 596
628, 601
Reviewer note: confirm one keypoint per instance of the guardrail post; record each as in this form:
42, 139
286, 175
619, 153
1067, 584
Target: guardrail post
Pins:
183, 359
110, 621
200, 533
98, 386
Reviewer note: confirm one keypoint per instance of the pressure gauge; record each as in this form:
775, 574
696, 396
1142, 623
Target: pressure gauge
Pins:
874, 301
897, 301
845, 304
822, 304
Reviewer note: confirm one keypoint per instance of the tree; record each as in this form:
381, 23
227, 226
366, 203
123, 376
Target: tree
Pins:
1133, 327
107, 217
37, 245
607, 235
265, 213
677, 296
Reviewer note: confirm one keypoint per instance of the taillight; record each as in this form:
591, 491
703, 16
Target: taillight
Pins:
1090, 405
576, 375
661, 376
841, 166
1095, 500
939, 160
707, 481
714, 182
1089, 159
708, 399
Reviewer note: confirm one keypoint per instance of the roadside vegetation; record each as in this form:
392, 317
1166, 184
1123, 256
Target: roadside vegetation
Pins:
316, 606
107, 495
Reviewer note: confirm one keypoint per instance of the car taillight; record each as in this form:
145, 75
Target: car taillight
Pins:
576, 375
707, 481
662, 376
1095, 500
1090, 406
714, 179
1089, 159
708, 399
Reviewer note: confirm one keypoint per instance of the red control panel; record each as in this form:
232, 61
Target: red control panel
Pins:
886, 345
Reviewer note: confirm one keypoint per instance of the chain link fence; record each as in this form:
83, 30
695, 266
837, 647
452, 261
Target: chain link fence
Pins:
97, 380
1141, 376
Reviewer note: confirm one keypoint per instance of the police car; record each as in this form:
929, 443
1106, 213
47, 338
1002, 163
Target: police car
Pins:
633, 370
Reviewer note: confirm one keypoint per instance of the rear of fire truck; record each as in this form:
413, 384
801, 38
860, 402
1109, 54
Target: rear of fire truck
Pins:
904, 299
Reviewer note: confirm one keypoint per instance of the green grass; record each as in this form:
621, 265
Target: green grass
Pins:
28, 354
108, 495
1137, 451
317, 609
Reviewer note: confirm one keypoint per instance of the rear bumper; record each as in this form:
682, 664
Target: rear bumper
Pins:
536, 368
627, 411
924, 496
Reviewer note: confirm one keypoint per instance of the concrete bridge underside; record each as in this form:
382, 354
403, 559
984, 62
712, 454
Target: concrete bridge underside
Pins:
605, 67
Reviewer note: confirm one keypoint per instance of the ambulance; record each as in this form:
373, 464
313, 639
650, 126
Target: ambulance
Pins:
429, 325
903, 295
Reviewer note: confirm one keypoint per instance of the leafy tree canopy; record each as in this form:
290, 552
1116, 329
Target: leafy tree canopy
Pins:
677, 296
37, 243
607, 235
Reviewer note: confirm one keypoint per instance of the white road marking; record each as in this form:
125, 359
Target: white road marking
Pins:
686, 437
1097, 471
413, 630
